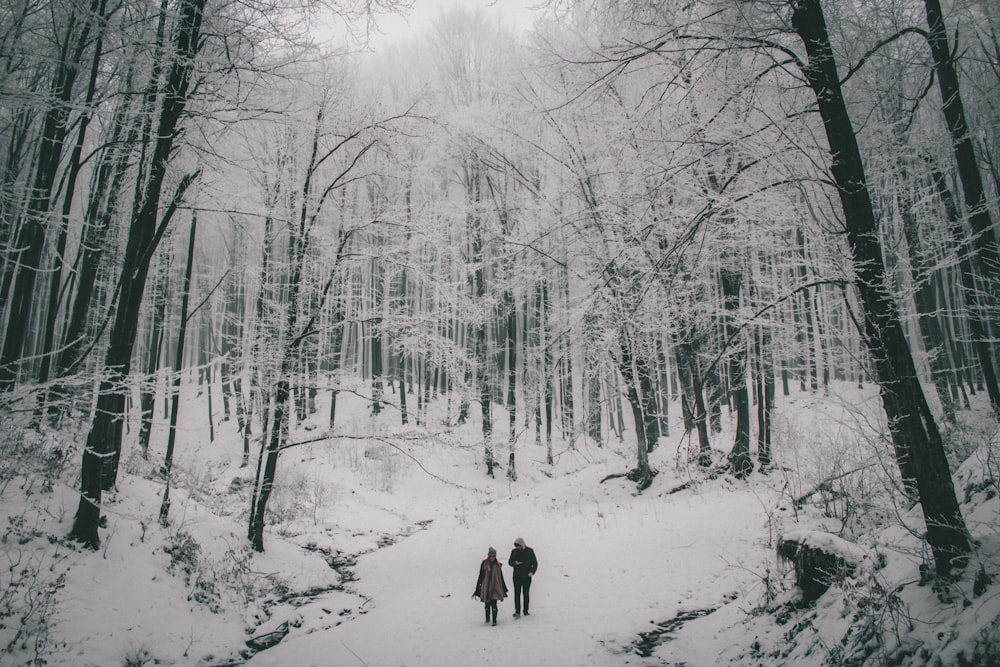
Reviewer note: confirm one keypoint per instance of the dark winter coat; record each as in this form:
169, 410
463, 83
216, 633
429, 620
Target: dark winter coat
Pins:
491, 585
524, 563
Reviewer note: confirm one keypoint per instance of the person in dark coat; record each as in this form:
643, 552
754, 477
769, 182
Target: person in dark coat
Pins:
490, 587
523, 560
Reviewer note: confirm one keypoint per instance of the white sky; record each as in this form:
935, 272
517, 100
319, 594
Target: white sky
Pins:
518, 14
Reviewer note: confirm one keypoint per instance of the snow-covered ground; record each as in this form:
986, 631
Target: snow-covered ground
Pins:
376, 534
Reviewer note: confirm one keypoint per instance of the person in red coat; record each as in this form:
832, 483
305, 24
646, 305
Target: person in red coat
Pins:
490, 587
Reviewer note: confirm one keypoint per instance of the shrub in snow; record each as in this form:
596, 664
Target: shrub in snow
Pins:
185, 556
27, 599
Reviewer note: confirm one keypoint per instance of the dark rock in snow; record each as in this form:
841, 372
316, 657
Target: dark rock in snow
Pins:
819, 558
267, 640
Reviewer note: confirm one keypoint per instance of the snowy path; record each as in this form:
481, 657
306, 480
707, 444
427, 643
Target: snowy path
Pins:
610, 564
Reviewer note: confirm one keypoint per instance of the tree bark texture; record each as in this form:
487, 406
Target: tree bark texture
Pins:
31, 236
739, 458
916, 439
103, 444
175, 383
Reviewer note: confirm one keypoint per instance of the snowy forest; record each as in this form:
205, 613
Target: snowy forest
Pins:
295, 327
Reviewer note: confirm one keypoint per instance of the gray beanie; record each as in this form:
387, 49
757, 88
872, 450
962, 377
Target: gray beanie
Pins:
491, 552
519, 542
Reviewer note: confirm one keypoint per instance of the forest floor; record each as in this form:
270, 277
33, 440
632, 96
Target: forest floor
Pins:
375, 535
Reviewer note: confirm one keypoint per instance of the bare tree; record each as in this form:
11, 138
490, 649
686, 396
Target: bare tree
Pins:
104, 438
919, 450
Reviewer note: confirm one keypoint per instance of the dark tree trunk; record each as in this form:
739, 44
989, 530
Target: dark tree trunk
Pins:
19, 128
567, 408
807, 307
102, 207
48, 344
428, 385
984, 239
917, 441
593, 384
546, 343
633, 367
713, 382
765, 397
266, 476
687, 388
175, 382
242, 419
104, 439
928, 312
147, 389
485, 400
378, 388
662, 389
404, 417
974, 298
477, 234
511, 382
209, 365
739, 458
416, 372
337, 346
30, 240
645, 371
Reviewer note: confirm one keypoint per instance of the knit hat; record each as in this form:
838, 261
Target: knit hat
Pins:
519, 542
491, 552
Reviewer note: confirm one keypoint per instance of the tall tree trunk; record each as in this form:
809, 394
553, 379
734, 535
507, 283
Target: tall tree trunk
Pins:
592, 377
511, 382
429, 384
475, 224
687, 388
404, 417
30, 241
807, 313
104, 438
19, 129
537, 340
928, 312
592, 381
739, 458
716, 389
58, 259
984, 238
337, 332
175, 381
375, 336
209, 365
547, 368
633, 368
31, 237
662, 389
917, 441
645, 372
279, 427
567, 412
765, 397
147, 387
973, 297
102, 208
